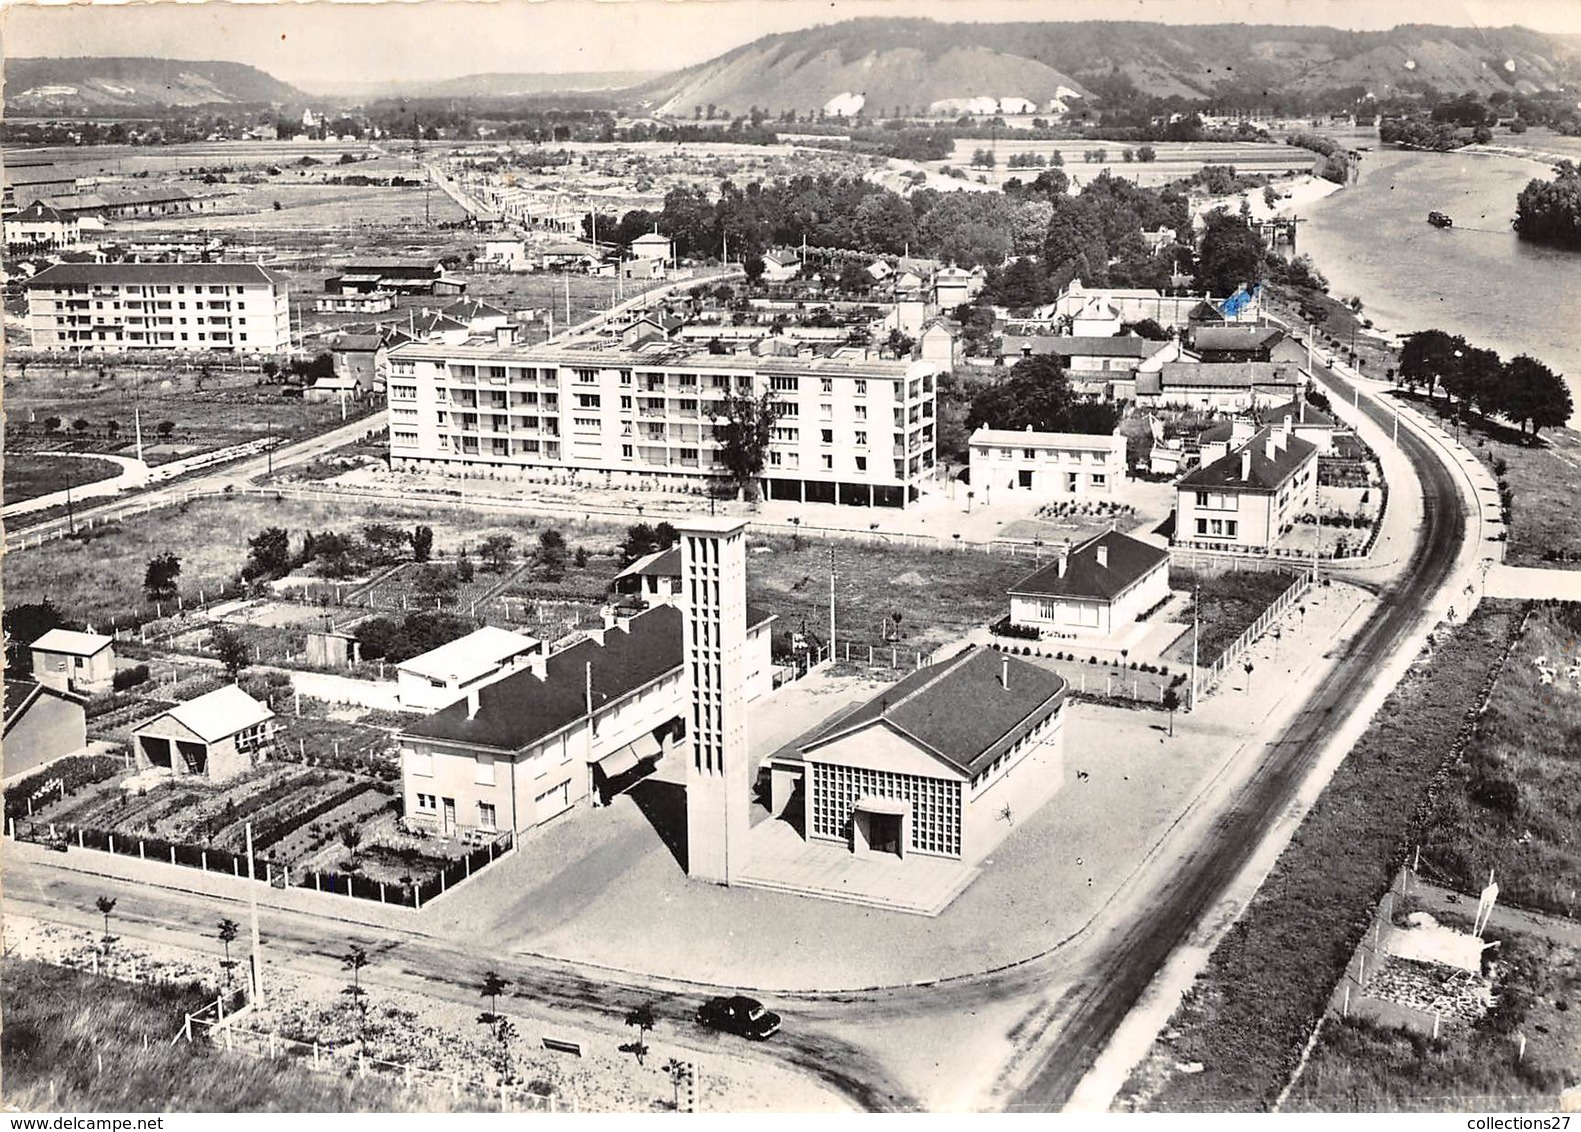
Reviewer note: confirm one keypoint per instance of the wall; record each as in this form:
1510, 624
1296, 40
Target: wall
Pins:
50, 728
1024, 786
61, 670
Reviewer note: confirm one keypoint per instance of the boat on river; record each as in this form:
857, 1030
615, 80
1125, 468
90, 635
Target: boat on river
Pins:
1440, 220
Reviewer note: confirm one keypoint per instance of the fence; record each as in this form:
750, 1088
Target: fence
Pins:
1209, 675
264, 871
342, 1059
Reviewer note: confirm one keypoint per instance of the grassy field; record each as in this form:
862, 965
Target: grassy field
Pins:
1360, 1066
1229, 602
75, 1042
1511, 803
28, 477
1270, 978
1545, 483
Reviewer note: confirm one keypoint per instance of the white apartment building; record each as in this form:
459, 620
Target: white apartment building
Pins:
1048, 465
851, 430
230, 307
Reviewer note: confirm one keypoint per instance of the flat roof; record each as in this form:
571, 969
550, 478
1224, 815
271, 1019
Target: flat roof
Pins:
473, 655
612, 355
1010, 438
87, 274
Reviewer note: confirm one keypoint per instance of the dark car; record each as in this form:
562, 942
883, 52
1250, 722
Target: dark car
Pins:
738, 1014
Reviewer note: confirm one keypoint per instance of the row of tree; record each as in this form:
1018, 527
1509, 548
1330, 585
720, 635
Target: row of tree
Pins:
1522, 390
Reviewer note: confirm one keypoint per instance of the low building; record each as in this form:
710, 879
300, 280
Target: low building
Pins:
1231, 386
940, 764
1095, 589
504, 255
651, 245
650, 328
654, 578
940, 343
1307, 422
216, 736
403, 277
1235, 343
360, 362
1118, 354
442, 676
42, 724
1047, 465
40, 227
952, 286
780, 266
1249, 498
69, 661
591, 719
1096, 318
355, 302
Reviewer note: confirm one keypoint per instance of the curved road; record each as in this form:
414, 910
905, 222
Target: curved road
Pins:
1096, 1006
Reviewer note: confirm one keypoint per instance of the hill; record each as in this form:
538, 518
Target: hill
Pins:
908, 63
89, 85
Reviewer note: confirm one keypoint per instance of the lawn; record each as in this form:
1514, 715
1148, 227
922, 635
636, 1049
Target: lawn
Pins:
76, 1042
1544, 483
1511, 802
28, 477
1269, 980
1228, 604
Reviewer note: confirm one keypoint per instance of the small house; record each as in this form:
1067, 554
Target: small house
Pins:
442, 676
1095, 589
70, 661
654, 578
216, 736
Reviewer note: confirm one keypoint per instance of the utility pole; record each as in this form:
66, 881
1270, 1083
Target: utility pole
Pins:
1196, 607
252, 891
831, 603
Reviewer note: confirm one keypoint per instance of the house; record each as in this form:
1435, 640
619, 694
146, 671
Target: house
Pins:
355, 302
1047, 465
403, 277
780, 266
1306, 421
1096, 318
1232, 386
359, 365
505, 255
654, 578
479, 317
69, 661
1096, 589
651, 245
1133, 303
638, 268
952, 286
1235, 343
591, 719
1084, 354
933, 765
1159, 239
879, 270
443, 675
1250, 497
40, 227
42, 724
216, 736
566, 257
650, 327
940, 343
433, 326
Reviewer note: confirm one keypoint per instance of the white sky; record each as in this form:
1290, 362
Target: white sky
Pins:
335, 43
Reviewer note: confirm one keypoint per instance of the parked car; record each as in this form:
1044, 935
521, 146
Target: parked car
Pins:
739, 1015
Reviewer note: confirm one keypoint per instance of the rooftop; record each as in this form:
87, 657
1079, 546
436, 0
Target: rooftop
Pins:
1068, 346
1298, 412
1236, 337
960, 709
218, 714
609, 353
1126, 561
20, 694
39, 210
659, 564
73, 643
87, 274
1224, 375
1011, 438
473, 655
1263, 474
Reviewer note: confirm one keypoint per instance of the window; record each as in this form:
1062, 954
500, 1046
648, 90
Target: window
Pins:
828, 462
483, 770
861, 463
861, 412
588, 401
1099, 479
427, 804
1202, 526
861, 387
420, 762
625, 451
486, 815
826, 385
861, 438
781, 384
1202, 499
826, 435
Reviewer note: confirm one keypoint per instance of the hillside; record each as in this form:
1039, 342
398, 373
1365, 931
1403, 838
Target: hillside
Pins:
910, 63
85, 85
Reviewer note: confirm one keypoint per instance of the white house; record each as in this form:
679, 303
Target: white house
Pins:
654, 578
442, 676
216, 736
1045, 465
780, 266
1093, 590
1230, 386
651, 245
69, 661
1249, 498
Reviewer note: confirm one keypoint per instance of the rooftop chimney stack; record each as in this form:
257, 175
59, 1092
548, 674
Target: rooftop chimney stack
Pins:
505, 336
1271, 447
1103, 556
1246, 464
1004, 672
473, 704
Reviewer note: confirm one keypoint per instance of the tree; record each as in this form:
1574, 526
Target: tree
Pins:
644, 1020
422, 539
1037, 394
386, 543
81, 425
106, 905
268, 554
743, 428
1550, 211
754, 266
354, 961
351, 838
677, 1071
113, 427
164, 429
228, 645
1535, 395
1231, 256
159, 579
25, 624
51, 424
551, 555
1146, 153
496, 553
1171, 704
228, 930
1428, 357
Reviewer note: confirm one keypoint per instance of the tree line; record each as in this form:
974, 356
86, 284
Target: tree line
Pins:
1522, 390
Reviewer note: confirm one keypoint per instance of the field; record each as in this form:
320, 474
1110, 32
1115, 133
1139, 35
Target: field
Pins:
1228, 603
1360, 1066
1511, 803
76, 1042
1545, 482
1175, 159
28, 477
1269, 979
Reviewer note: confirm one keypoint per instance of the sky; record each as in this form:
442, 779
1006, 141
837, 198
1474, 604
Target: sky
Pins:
322, 44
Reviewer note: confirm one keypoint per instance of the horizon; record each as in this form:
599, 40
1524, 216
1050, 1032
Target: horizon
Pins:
328, 48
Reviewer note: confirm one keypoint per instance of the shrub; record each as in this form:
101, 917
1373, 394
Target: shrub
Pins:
1499, 794
129, 677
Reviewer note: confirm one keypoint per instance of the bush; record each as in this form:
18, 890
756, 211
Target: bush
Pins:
1003, 628
129, 677
1496, 794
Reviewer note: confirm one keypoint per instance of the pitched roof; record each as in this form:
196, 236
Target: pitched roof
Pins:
1128, 560
958, 709
21, 695
1224, 375
1265, 475
87, 274
659, 564
1128, 346
39, 210
781, 258
651, 238
1299, 413
468, 309
218, 714
1236, 337
468, 657
356, 343
73, 643
522, 709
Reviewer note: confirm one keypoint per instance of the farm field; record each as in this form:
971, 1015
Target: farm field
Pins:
1175, 159
28, 477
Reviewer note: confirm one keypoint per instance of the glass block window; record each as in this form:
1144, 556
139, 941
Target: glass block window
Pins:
935, 804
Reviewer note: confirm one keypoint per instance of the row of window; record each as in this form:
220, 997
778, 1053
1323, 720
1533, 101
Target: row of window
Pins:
1010, 757
1219, 528
428, 805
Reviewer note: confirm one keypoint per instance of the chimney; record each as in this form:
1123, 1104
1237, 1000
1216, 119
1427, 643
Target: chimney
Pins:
539, 663
1064, 559
1246, 464
1271, 447
596, 634
472, 704
1103, 556
1004, 672
505, 336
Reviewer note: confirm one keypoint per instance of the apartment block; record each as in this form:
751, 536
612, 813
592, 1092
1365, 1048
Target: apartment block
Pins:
228, 307
850, 430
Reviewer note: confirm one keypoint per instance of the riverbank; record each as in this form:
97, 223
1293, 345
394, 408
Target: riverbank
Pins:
1295, 194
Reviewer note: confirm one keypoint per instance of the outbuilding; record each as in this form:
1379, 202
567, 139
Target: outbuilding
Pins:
216, 736
74, 662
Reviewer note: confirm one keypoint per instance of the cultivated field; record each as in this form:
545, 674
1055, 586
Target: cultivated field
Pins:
28, 477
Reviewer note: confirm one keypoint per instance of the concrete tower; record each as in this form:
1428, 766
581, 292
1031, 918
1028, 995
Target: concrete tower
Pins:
714, 600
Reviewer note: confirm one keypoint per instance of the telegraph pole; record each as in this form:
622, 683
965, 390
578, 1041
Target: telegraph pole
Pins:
1196, 606
831, 604
252, 891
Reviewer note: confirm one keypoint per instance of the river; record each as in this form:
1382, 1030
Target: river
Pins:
1476, 279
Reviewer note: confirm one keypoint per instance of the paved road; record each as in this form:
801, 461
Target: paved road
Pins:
1100, 1002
